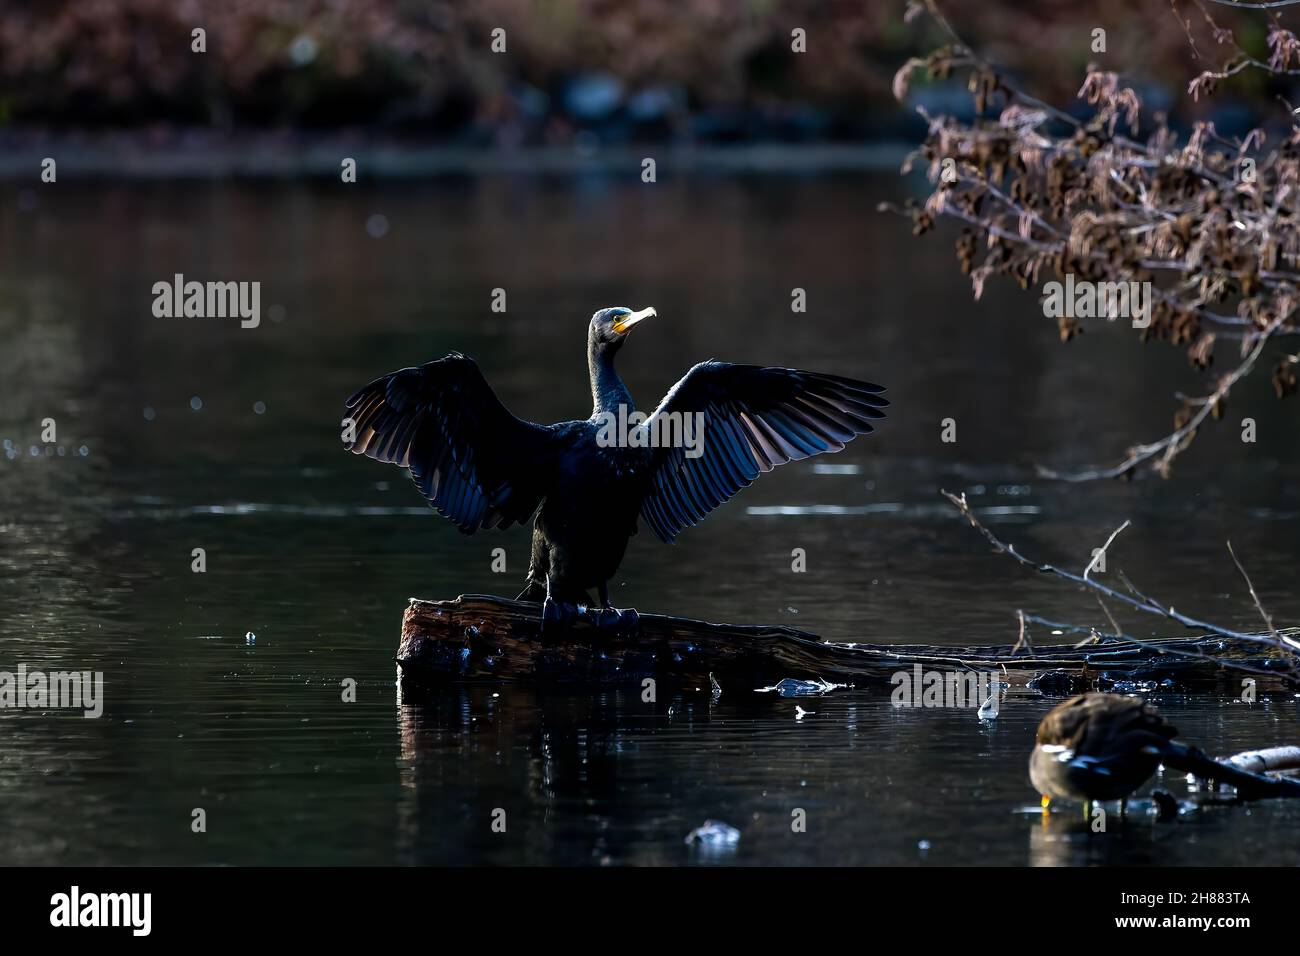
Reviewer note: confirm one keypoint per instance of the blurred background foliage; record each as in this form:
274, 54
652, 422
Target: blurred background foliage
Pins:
615, 70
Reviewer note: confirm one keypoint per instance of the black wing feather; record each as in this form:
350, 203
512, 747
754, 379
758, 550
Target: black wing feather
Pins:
754, 419
476, 463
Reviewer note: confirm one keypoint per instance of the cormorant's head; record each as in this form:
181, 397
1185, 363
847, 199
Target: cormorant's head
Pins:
609, 327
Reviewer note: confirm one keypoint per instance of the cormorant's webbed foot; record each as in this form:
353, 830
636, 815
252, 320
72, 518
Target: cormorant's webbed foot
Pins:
556, 615
615, 620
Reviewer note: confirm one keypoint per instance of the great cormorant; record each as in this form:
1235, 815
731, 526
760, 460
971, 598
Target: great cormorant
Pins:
588, 482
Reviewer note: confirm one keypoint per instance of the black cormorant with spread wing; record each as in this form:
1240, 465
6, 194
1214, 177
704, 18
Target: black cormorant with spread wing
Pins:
588, 481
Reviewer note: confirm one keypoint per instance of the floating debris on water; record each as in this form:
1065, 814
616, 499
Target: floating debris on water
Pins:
989, 709
1058, 683
1125, 685
789, 687
715, 689
1166, 805
250, 638
715, 835
800, 713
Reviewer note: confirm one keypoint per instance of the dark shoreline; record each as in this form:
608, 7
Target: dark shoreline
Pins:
204, 155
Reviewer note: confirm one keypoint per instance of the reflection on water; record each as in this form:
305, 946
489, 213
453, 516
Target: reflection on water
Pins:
316, 552
613, 780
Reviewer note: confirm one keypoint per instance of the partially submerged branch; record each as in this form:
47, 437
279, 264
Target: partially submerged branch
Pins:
1249, 785
1284, 649
1268, 760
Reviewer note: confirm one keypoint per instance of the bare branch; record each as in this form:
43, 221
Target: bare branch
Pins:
1285, 646
1204, 229
1262, 5
1268, 621
1023, 639
1115, 628
1176, 441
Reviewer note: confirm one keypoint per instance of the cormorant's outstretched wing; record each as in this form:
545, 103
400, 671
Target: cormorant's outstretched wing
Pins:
475, 462
754, 419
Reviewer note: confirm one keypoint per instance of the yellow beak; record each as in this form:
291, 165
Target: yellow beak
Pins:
631, 319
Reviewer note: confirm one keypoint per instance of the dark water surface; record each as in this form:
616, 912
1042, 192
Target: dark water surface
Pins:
316, 552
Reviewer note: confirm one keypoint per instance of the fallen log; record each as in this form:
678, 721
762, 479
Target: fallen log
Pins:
483, 638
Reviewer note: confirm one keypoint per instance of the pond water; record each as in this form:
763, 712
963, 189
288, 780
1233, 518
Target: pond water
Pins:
179, 434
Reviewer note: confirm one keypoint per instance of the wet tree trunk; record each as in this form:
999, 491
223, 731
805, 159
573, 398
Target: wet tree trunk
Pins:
479, 637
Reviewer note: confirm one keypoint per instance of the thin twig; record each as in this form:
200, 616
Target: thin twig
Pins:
1099, 554
1118, 631
1268, 620
1023, 639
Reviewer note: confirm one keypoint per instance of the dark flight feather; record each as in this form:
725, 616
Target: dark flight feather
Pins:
754, 420
476, 463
